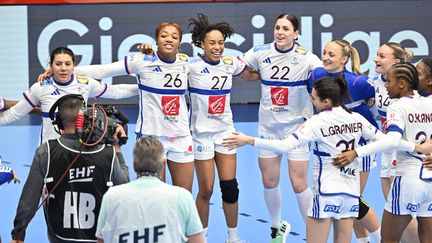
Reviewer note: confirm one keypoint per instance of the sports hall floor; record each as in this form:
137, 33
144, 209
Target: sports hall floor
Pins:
19, 140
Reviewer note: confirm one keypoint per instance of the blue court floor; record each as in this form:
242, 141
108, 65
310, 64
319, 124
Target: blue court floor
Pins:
18, 143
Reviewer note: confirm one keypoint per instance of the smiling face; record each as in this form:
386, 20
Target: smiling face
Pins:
168, 41
333, 58
393, 85
213, 45
384, 59
284, 34
62, 67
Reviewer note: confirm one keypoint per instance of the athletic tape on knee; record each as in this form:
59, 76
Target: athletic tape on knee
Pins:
363, 208
230, 191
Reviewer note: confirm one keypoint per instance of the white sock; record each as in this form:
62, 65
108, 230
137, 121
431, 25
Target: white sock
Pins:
273, 199
376, 235
363, 240
232, 234
304, 200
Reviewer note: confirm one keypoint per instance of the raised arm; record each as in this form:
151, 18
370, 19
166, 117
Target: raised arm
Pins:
17, 111
103, 70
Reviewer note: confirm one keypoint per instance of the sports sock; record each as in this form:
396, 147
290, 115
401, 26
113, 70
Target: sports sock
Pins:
304, 200
273, 199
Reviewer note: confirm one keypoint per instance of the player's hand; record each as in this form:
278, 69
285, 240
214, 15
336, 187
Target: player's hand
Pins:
427, 162
145, 48
424, 148
44, 75
15, 178
239, 139
345, 158
119, 133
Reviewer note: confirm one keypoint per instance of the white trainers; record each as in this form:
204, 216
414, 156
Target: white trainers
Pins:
282, 232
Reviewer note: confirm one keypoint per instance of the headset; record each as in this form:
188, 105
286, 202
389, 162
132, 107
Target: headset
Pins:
55, 117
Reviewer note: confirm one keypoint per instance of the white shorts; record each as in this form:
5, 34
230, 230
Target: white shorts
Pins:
388, 164
282, 131
206, 143
410, 196
177, 149
334, 207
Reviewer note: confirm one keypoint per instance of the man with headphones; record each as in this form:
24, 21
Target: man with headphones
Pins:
72, 179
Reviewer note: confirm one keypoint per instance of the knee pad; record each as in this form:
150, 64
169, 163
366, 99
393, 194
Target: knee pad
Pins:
363, 208
230, 191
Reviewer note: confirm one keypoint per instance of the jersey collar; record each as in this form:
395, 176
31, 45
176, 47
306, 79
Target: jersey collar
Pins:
64, 84
286, 51
208, 61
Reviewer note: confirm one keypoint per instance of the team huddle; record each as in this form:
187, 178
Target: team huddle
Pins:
307, 106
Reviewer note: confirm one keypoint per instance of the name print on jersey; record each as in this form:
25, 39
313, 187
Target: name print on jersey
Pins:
344, 128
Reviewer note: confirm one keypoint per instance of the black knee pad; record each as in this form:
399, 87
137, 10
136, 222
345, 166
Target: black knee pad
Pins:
230, 191
363, 208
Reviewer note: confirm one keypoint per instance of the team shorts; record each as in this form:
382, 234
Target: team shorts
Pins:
388, 163
334, 207
177, 149
282, 131
206, 143
410, 196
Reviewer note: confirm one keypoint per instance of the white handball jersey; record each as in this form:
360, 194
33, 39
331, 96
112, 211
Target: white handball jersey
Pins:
209, 88
162, 84
382, 100
284, 78
331, 131
412, 117
46, 93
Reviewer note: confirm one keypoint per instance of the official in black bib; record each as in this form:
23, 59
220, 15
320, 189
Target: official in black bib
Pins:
72, 177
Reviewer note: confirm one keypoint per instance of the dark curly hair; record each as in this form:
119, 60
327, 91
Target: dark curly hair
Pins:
201, 26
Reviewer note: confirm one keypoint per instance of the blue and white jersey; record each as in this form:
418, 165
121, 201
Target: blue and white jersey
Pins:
46, 93
209, 88
331, 132
382, 100
284, 78
360, 89
162, 84
412, 117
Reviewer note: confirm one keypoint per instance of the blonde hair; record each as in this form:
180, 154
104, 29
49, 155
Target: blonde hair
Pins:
399, 52
350, 52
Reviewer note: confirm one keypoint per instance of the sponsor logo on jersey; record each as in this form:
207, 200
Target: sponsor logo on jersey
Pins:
205, 70
348, 171
56, 92
430, 207
332, 208
354, 208
294, 61
267, 60
171, 105
227, 60
157, 69
279, 96
82, 79
413, 207
216, 104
